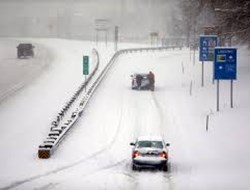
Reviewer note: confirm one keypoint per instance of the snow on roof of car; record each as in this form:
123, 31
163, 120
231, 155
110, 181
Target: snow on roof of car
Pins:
143, 74
150, 138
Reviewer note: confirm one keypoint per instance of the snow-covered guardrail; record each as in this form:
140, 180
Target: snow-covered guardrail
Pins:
150, 49
59, 130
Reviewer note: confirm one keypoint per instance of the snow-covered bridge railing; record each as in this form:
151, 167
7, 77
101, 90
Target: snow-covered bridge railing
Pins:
59, 130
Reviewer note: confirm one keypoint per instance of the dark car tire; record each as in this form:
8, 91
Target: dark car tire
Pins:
152, 88
165, 168
134, 168
18, 55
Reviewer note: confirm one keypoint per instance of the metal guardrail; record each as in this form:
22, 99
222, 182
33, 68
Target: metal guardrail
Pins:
131, 50
58, 130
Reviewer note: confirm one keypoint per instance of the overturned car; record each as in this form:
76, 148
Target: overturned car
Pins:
143, 81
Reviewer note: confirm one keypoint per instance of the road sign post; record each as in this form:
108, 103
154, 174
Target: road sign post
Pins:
225, 68
218, 96
202, 73
231, 94
207, 45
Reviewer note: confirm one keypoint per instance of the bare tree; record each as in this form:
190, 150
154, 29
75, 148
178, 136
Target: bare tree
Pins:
230, 18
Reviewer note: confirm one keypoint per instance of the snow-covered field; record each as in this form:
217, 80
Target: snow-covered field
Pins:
96, 153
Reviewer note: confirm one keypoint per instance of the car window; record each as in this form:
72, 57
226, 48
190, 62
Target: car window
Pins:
149, 144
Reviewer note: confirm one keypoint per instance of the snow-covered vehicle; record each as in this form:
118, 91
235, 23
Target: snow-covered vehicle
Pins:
141, 81
150, 152
24, 50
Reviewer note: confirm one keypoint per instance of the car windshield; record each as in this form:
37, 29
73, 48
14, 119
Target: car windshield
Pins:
150, 144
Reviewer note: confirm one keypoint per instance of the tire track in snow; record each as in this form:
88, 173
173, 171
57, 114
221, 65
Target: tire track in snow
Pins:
163, 124
169, 178
158, 179
47, 187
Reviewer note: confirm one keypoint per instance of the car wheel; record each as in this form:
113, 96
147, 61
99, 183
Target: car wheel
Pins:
134, 168
165, 168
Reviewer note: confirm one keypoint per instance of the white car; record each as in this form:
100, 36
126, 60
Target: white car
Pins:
150, 152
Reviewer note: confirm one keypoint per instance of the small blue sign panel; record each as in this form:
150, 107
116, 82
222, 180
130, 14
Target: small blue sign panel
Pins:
207, 45
225, 63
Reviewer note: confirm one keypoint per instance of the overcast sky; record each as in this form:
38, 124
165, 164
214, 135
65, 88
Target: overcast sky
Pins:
77, 17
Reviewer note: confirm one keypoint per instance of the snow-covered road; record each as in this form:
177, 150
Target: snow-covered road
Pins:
96, 153
99, 143
16, 73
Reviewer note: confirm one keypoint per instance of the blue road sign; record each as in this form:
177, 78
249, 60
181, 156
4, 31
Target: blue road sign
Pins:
225, 63
207, 45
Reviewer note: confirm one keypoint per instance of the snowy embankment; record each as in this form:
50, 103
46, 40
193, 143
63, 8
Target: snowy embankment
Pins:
217, 158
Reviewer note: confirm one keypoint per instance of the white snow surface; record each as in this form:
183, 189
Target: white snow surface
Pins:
96, 152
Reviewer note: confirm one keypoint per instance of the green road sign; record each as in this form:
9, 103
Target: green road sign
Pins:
85, 65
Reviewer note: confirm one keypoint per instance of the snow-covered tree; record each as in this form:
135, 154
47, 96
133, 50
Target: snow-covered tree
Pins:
228, 18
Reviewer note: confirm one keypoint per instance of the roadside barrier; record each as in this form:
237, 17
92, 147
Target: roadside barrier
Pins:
58, 129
